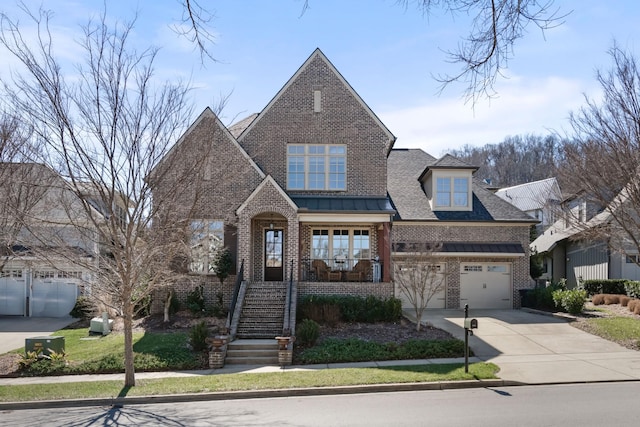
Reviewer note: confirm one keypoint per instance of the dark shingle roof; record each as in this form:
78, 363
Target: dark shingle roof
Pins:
404, 169
344, 204
464, 247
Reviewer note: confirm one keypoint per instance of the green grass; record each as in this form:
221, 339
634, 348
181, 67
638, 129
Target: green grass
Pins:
623, 330
256, 381
105, 354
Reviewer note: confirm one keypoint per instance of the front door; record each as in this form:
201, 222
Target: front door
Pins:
273, 261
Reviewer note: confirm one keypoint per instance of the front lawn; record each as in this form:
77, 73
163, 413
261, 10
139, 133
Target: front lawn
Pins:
105, 354
622, 330
251, 381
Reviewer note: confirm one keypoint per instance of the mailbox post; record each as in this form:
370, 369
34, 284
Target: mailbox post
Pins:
469, 325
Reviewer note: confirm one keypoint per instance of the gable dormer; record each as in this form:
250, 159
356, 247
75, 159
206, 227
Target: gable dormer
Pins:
448, 184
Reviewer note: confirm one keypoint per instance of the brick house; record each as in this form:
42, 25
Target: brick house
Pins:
310, 189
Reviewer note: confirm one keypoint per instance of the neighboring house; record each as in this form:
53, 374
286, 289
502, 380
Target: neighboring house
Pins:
569, 255
539, 199
37, 274
304, 190
483, 241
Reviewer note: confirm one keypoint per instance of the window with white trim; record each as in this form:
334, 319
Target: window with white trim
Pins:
317, 167
207, 237
452, 192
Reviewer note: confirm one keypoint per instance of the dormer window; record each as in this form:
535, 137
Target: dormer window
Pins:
452, 192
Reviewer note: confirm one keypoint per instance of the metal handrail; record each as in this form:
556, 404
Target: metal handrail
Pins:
234, 297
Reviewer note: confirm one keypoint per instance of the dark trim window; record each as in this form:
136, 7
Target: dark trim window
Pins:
316, 167
342, 243
207, 237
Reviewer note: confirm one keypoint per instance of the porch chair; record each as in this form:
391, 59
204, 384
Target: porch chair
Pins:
323, 272
360, 271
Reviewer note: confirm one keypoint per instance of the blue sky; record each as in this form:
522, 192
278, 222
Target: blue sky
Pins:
387, 53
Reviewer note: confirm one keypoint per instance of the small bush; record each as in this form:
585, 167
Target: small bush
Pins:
218, 309
83, 309
195, 300
542, 298
632, 289
572, 300
198, 336
611, 299
307, 332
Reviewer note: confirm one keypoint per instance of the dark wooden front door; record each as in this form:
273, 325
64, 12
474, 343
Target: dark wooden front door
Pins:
273, 260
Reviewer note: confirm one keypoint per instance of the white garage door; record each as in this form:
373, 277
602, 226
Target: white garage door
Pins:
438, 300
13, 294
485, 285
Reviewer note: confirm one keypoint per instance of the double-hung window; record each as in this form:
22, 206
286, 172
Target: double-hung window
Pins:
207, 237
317, 167
452, 192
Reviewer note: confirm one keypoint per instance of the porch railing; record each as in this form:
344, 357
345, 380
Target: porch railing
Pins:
340, 270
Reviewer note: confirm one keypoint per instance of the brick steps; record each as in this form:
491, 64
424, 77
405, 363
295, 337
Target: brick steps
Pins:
263, 311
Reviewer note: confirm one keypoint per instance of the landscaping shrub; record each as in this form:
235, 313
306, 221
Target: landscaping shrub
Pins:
572, 300
335, 350
307, 332
542, 298
604, 286
325, 308
198, 336
611, 299
195, 300
632, 289
83, 309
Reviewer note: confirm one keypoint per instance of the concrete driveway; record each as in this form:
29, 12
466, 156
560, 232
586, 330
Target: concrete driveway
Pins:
534, 348
14, 329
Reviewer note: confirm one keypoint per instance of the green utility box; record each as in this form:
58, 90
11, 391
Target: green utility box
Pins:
44, 345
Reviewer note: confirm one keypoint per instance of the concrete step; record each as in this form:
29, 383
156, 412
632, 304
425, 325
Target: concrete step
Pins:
252, 352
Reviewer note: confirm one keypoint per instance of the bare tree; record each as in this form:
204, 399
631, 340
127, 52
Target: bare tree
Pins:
603, 162
420, 275
104, 129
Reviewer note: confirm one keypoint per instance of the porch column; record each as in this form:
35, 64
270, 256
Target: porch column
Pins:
384, 250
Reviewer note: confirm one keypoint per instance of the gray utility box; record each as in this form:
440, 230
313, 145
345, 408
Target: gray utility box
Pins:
44, 345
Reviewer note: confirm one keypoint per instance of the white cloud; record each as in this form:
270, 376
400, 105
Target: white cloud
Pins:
537, 106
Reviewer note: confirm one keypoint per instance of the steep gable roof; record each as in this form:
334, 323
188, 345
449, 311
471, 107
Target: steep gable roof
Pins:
406, 167
319, 55
448, 162
207, 113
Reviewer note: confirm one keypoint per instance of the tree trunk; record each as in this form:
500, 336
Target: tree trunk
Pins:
129, 370
167, 306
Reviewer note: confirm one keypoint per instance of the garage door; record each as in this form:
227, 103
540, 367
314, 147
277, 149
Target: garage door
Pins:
485, 285
51, 297
13, 294
438, 300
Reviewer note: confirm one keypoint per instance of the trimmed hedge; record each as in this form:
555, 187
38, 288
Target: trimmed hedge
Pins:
605, 286
327, 309
632, 289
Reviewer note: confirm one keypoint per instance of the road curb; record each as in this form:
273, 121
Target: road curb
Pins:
254, 394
